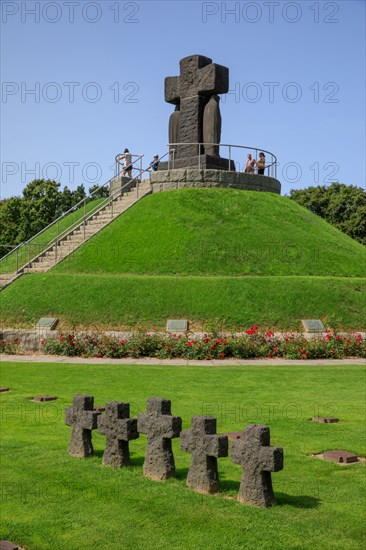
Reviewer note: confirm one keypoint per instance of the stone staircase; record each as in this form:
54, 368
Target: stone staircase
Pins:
82, 233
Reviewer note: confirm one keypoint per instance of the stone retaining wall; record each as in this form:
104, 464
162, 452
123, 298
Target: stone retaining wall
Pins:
168, 180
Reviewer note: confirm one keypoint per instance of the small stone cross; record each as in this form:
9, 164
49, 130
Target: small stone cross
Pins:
118, 428
258, 459
83, 420
205, 446
199, 79
160, 427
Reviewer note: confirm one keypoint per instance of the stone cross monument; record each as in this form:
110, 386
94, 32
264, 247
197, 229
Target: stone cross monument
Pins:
258, 459
119, 429
205, 446
197, 117
83, 419
160, 427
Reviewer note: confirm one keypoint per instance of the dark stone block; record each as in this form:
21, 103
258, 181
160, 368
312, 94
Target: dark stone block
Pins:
119, 429
3, 390
206, 446
258, 459
160, 427
83, 419
340, 457
206, 162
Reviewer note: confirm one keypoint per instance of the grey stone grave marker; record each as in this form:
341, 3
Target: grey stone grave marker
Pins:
205, 446
177, 325
159, 427
119, 429
46, 323
313, 325
258, 459
83, 419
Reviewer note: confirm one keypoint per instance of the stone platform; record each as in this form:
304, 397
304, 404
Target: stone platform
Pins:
167, 180
206, 162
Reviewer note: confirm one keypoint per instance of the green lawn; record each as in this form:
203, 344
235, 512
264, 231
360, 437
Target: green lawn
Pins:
38, 244
116, 301
50, 500
219, 232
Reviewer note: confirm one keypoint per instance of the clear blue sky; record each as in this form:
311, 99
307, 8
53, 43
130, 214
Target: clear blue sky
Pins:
313, 51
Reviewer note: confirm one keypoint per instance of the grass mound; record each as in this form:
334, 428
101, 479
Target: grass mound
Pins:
219, 232
118, 301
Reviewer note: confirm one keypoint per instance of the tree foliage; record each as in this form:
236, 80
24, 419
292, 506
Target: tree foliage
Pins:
42, 202
344, 206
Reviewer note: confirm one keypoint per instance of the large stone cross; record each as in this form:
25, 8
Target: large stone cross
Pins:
205, 446
83, 420
119, 429
160, 427
258, 459
199, 80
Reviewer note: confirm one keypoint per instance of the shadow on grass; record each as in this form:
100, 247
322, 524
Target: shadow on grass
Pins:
298, 501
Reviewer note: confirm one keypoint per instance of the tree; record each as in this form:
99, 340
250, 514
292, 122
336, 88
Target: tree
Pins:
344, 206
10, 218
99, 192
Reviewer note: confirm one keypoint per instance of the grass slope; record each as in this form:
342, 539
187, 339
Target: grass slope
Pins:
219, 232
51, 500
37, 244
113, 301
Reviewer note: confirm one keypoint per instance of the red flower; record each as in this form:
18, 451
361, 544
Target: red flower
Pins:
328, 337
275, 349
251, 331
270, 334
189, 343
42, 342
61, 339
222, 354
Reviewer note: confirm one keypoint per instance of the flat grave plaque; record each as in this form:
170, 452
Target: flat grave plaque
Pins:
7, 545
3, 389
177, 325
313, 325
325, 419
44, 398
233, 436
47, 323
340, 457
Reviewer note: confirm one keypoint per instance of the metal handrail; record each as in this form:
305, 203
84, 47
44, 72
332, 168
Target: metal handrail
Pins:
74, 207
273, 162
87, 215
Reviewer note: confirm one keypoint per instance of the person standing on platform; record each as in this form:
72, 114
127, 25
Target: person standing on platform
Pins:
261, 164
249, 167
127, 163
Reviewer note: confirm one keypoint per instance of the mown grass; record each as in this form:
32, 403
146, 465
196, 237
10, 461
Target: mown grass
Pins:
219, 232
38, 244
116, 301
51, 500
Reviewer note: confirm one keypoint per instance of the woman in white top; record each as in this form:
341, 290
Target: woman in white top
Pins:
127, 163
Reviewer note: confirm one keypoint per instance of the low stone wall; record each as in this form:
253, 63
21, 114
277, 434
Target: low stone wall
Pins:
168, 180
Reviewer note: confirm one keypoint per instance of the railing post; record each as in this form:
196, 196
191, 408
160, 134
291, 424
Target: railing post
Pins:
17, 261
84, 215
199, 157
229, 158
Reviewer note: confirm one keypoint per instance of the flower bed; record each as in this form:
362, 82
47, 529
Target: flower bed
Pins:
253, 344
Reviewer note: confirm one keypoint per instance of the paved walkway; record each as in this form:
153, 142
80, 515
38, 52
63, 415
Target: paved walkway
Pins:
172, 362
